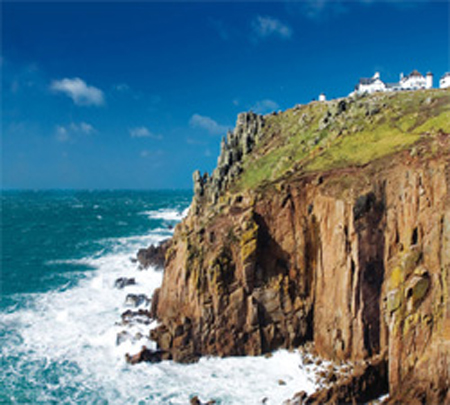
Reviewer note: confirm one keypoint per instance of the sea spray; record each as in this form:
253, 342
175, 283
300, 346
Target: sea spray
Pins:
60, 344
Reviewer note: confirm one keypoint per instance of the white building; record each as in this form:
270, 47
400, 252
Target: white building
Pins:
444, 83
416, 81
413, 81
322, 97
371, 85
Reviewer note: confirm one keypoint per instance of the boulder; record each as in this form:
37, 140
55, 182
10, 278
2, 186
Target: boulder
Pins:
141, 316
153, 255
135, 300
147, 355
123, 282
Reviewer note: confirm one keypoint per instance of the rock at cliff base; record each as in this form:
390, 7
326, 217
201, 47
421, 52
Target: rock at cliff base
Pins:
141, 316
135, 300
153, 256
145, 355
123, 282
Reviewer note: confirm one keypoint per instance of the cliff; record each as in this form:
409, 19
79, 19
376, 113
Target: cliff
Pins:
327, 223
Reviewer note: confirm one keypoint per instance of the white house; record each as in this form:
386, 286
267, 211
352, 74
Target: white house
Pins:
444, 83
416, 81
322, 97
371, 85
413, 81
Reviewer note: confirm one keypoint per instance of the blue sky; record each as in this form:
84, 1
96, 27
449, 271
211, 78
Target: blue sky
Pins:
119, 95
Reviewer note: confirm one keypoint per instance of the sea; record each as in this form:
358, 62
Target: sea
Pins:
60, 312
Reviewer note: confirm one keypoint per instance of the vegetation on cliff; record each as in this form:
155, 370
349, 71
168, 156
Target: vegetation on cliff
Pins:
345, 132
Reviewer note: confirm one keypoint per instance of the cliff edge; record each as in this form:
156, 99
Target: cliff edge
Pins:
327, 223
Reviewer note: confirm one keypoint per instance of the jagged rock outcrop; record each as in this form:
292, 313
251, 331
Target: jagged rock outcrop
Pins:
355, 259
153, 255
238, 143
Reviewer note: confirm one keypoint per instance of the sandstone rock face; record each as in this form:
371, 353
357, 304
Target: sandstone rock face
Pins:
355, 260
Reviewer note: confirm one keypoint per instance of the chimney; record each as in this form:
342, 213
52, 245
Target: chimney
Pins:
429, 81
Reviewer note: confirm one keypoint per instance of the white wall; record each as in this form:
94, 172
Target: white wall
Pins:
444, 83
414, 82
377, 85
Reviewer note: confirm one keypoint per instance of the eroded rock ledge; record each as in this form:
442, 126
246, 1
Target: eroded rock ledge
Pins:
355, 260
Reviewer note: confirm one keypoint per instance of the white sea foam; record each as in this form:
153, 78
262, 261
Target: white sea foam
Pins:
75, 330
167, 214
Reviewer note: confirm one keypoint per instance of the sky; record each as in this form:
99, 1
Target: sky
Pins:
116, 95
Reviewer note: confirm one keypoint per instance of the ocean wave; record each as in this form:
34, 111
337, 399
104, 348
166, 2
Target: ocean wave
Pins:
167, 214
63, 344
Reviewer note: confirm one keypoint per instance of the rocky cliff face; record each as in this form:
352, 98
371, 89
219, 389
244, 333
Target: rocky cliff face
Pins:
354, 258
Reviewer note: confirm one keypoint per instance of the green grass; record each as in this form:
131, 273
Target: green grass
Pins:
296, 139
362, 148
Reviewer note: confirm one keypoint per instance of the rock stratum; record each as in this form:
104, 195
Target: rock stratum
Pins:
327, 223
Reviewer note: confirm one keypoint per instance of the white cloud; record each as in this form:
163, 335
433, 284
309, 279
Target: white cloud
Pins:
265, 106
62, 134
83, 127
143, 132
66, 133
264, 27
208, 124
79, 91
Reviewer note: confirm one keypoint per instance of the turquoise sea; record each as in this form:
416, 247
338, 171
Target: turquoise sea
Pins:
60, 313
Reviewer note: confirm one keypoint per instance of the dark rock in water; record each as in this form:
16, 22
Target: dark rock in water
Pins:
299, 397
123, 282
195, 401
134, 300
141, 316
123, 337
147, 355
153, 255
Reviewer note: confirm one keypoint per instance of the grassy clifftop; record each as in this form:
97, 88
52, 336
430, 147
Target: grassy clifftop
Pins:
345, 132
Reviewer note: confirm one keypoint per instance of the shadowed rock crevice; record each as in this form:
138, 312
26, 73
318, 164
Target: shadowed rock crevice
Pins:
369, 215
